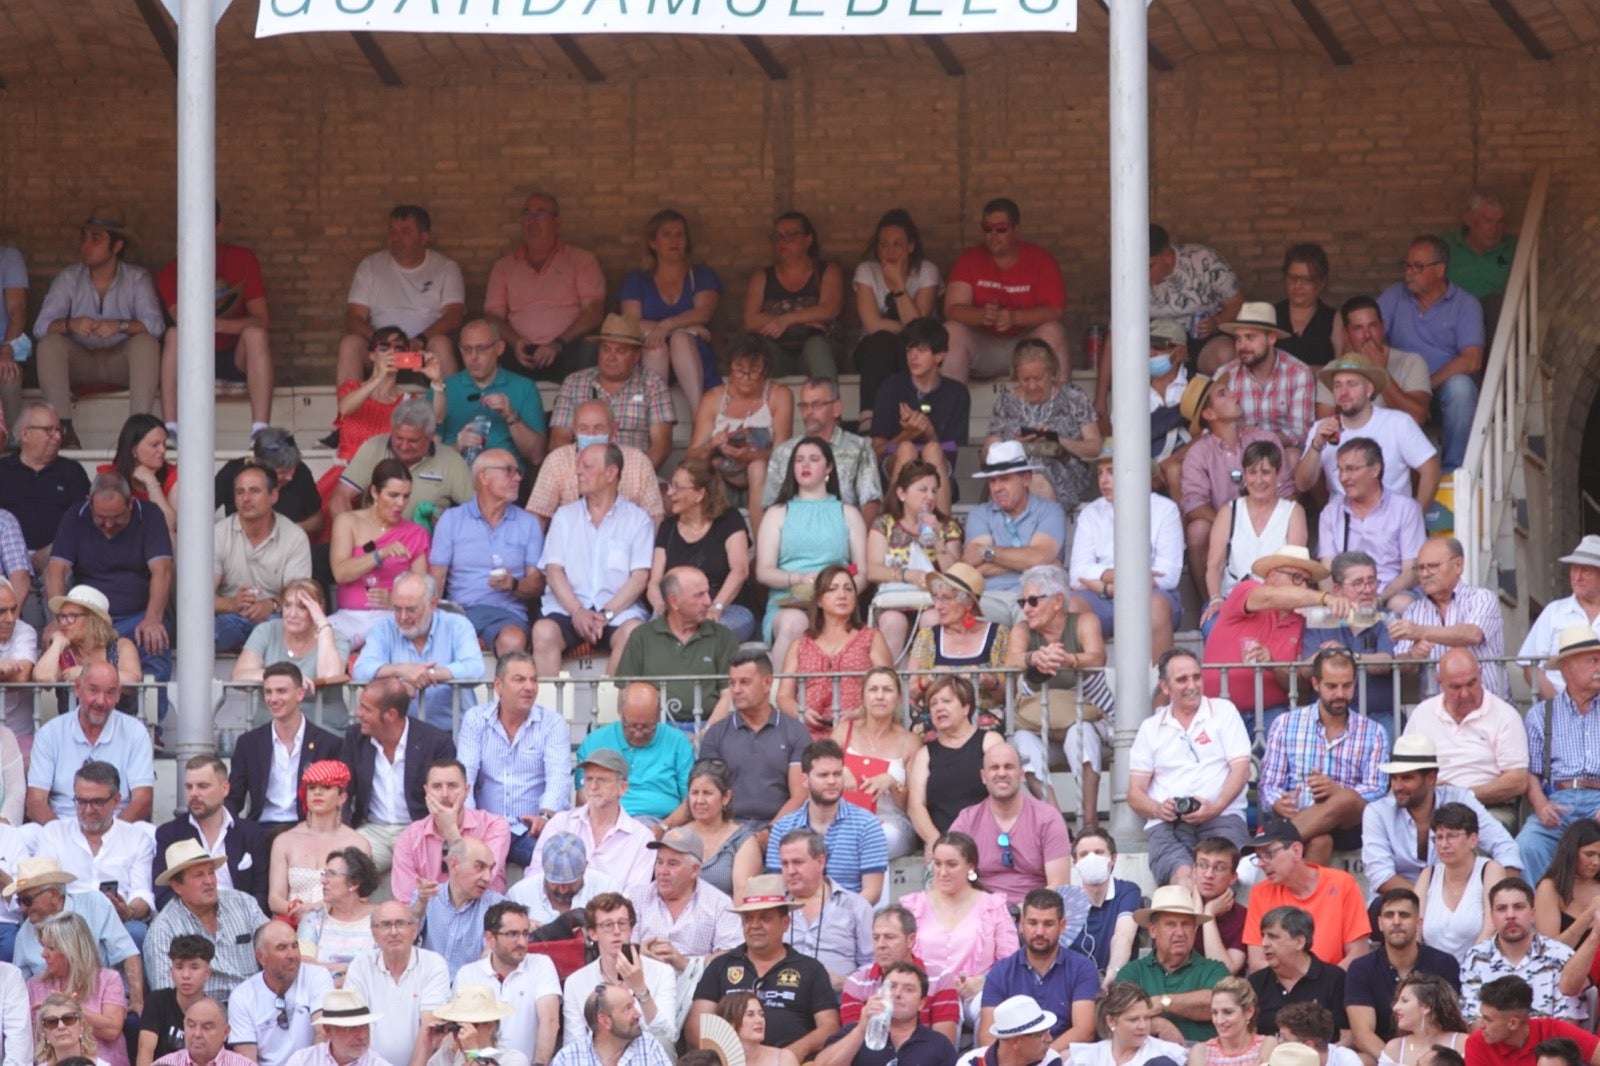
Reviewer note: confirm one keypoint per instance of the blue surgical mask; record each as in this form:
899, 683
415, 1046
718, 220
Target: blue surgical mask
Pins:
585, 439
1159, 365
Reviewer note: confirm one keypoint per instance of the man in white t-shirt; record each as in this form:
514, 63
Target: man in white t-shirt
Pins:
1410, 388
408, 285
1355, 384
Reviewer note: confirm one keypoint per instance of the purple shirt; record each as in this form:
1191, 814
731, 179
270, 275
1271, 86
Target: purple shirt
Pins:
1391, 533
120, 566
1038, 836
1454, 322
1209, 464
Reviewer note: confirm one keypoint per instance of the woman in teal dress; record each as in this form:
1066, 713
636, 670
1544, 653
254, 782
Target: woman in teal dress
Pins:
807, 529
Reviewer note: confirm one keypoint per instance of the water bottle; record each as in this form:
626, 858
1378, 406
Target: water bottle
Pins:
497, 567
480, 424
929, 534
878, 1029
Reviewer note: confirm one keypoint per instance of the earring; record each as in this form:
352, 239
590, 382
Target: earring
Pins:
969, 621
972, 877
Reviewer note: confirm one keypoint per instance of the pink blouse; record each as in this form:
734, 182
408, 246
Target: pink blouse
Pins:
353, 594
107, 989
986, 936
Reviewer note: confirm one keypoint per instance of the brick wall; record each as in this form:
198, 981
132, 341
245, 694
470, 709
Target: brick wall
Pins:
1249, 152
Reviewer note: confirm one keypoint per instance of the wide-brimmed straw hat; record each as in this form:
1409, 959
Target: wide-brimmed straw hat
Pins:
1171, 899
1574, 640
1193, 402
183, 854
965, 577
1293, 556
474, 1003
621, 329
88, 597
1260, 315
765, 892
1355, 363
41, 871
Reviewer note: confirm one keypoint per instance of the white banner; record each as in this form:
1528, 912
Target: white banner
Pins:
777, 18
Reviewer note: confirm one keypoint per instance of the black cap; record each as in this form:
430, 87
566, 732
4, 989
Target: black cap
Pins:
1277, 831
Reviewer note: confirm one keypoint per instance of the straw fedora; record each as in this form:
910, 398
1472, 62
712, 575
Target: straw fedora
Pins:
114, 220
88, 597
1019, 1016
1412, 753
1574, 640
1293, 556
1290, 1053
1169, 332
1354, 363
1171, 899
183, 854
40, 871
474, 1003
620, 329
965, 578
344, 1008
1587, 553
1260, 315
1193, 402
765, 892
1005, 457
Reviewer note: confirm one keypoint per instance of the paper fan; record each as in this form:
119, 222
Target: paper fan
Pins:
1077, 913
717, 1035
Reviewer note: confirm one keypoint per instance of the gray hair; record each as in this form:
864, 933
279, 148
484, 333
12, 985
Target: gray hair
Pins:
831, 386
109, 483
415, 412
1441, 250
1344, 561
897, 912
30, 407
510, 659
815, 846
1294, 922
1484, 198
494, 330
1049, 578
430, 587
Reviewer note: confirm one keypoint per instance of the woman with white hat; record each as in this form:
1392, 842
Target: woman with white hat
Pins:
470, 1023
83, 636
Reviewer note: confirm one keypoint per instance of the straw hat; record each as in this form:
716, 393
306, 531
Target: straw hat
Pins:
38, 872
344, 1008
1587, 553
1193, 402
1293, 556
964, 577
620, 329
1005, 457
1171, 899
114, 220
1260, 315
1290, 1053
1574, 640
1019, 1016
474, 1003
183, 854
1411, 753
765, 892
1355, 363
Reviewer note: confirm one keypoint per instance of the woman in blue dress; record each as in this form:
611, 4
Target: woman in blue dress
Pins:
674, 301
807, 529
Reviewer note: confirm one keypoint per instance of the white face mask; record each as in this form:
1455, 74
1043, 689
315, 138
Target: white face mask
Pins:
1094, 869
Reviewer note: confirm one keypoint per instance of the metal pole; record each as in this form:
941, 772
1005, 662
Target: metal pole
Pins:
193, 721
1130, 385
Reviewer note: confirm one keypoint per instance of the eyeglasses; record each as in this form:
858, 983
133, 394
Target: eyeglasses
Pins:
1411, 267
1031, 601
1000, 229
69, 616
56, 1021
94, 803
1301, 279
476, 349
785, 236
1261, 858
1006, 858
393, 925
49, 431
1362, 583
326, 874
25, 900
616, 925
508, 469
283, 1013
514, 934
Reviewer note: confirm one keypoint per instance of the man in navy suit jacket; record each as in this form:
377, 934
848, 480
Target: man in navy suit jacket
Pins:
289, 737
383, 803
205, 791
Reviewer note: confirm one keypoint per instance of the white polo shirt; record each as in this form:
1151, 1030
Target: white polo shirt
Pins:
1193, 761
523, 987
423, 986
253, 1014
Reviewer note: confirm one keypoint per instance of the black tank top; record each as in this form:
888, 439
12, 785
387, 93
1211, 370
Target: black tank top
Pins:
958, 773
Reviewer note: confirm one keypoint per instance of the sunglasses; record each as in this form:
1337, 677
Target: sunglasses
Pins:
1006, 858
56, 1021
1031, 601
25, 900
283, 1013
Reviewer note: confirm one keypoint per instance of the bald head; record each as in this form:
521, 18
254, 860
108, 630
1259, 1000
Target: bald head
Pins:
593, 419
639, 713
1460, 683
1002, 772
205, 1030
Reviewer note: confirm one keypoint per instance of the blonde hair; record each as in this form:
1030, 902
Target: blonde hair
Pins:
42, 1051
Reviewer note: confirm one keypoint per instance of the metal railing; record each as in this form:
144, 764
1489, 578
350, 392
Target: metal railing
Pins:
1483, 483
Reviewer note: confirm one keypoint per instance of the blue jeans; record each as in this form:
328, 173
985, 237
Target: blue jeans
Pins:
8, 940
1538, 844
137, 930
737, 617
230, 631
521, 851
157, 666
1455, 403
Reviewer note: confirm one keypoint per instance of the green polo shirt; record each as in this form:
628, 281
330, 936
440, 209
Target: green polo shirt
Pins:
441, 477
653, 651
461, 403
1196, 974
1480, 273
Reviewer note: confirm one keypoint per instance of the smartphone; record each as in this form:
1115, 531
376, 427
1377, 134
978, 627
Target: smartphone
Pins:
108, 886
408, 360
629, 954
1042, 432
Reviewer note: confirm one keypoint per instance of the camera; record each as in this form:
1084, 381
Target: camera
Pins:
451, 1028
1184, 805
408, 360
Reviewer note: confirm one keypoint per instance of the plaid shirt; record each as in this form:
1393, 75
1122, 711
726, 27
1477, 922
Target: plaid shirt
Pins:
1540, 967
645, 1050
642, 402
13, 549
1469, 605
707, 925
1297, 747
1286, 404
1574, 740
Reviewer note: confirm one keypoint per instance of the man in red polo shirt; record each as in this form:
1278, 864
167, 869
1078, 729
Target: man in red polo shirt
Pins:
894, 936
1507, 1036
999, 292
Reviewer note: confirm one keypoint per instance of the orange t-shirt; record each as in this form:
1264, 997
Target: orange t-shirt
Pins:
1335, 905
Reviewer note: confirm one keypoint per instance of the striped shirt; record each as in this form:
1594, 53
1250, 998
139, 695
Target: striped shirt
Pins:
523, 774
707, 924
1286, 403
1298, 746
238, 918
1469, 605
1574, 740
855, 842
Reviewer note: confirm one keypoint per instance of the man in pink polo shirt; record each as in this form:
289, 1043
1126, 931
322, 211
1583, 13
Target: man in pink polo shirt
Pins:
546, 297
1480, 739
419, 851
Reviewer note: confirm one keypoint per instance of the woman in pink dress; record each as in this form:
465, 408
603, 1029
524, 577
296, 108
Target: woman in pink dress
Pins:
835, 643
72, 967
962, 928
371, 547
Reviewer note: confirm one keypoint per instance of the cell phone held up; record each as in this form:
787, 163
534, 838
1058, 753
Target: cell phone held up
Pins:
408, 360
629, 953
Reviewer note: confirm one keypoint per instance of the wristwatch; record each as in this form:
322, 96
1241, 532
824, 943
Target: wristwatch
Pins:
122, 326
716, 606
988, 555
1166, 1002
608, 614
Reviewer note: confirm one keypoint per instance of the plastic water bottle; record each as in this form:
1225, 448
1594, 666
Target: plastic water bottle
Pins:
481, 424
878, 1029
929, 533
497, 567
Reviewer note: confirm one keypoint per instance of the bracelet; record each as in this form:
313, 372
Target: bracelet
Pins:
325, 625
1325, 599
897, 295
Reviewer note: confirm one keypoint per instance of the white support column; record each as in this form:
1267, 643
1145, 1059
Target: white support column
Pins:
1130, 386
191, 727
